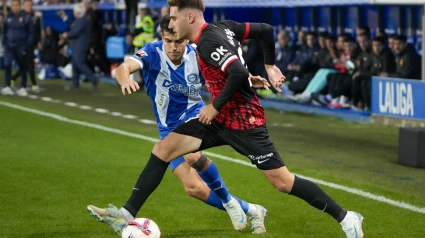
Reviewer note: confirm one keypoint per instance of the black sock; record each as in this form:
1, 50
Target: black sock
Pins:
316, 197
148, 181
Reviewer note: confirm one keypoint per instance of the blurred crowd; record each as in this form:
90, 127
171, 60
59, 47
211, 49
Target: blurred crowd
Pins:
336, 71
79, 54
320, 68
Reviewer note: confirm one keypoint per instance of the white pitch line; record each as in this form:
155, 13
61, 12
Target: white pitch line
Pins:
85, 107
129, 116
116, 114
46, 99
101, 110
218, 156
146, 121
71, 104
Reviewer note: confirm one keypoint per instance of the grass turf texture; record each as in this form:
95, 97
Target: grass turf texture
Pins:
51, 170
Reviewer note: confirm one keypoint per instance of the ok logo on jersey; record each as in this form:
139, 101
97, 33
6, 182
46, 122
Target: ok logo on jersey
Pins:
218, 53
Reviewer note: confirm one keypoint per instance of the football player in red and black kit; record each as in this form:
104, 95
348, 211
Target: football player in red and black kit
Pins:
235, 116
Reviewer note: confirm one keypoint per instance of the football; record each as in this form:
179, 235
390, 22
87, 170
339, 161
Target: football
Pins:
141, 227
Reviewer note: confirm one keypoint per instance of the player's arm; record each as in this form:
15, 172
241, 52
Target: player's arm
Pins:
136, 62
127, 68
265, 35
123, 76
237, 75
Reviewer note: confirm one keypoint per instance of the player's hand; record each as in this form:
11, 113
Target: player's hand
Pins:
275, 76
129, 86
259, 82
207, 114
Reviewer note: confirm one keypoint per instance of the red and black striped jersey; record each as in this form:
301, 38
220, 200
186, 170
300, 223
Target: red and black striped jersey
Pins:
218, 46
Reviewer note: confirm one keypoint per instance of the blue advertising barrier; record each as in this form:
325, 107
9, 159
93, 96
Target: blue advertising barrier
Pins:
116, 47
402, 98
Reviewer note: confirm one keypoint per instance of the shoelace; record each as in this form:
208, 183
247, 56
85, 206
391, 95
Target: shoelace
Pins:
233, 211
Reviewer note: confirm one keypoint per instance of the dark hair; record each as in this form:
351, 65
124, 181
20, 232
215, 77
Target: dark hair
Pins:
380, 39
365, 29
165, 22
344, 35
324, 34
311, 33
330, 37
365, 35
349, 39
181, 4
402, 38
382, 33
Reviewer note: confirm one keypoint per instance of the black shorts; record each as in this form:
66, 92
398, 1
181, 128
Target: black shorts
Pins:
254, 144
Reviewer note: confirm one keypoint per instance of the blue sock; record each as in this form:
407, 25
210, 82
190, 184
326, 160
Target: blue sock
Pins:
212, 178
214, 200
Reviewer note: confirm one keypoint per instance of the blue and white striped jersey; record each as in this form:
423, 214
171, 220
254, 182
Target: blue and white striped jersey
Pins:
174, 90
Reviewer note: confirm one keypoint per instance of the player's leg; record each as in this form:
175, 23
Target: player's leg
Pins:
197, 188
310, 192
173, 146
257, 146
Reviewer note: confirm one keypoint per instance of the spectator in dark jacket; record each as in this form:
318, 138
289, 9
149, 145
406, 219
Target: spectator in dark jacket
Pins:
284, 52
363, 64
18, 36
78, 37
408, 62
37, 42
49, 49
303, 55
96, 54
382, 61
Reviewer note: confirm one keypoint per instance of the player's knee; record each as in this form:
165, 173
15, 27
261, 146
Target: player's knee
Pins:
282, 184
161, 150
283, 187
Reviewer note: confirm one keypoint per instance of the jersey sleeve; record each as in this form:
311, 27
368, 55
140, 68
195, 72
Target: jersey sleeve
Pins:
145, 57
240, 31
216, 52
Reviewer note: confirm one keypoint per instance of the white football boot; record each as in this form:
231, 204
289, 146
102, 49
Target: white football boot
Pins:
237, 215
257, 220
352, 225
112, 216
